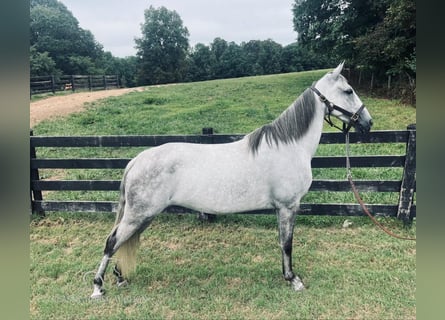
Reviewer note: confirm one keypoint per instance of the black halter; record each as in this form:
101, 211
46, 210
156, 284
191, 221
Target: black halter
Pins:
353, 117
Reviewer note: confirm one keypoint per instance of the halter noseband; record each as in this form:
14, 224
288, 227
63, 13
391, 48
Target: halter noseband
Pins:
353, 117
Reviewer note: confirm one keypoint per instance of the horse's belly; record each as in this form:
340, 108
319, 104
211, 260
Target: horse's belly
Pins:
229, 193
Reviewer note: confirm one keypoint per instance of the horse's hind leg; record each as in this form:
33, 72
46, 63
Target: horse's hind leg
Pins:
126, 253
125, 231
99, 277
286, 222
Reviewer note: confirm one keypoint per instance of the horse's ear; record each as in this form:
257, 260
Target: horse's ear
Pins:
338, 70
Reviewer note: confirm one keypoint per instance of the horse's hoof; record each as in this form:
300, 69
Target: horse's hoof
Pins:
297, 284
121, 284
97, 293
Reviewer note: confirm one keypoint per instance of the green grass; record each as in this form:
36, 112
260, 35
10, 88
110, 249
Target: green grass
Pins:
229, 106
230, 269
225, 270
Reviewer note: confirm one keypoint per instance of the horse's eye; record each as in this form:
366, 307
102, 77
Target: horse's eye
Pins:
349, 91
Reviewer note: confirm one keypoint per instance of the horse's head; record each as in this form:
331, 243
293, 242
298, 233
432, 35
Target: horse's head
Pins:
342, 102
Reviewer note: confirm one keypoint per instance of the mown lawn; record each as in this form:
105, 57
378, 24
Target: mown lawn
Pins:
230, 269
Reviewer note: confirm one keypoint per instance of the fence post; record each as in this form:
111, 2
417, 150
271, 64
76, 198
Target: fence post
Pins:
407, 188
90, 83
72, 83
105, 82
34, 194
53, 84
207, 137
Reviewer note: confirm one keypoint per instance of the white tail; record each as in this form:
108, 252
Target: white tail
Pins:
126, 254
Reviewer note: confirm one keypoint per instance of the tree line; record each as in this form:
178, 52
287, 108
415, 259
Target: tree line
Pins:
376, 36
58, 46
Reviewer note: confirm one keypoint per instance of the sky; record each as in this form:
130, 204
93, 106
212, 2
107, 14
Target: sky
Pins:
116, 23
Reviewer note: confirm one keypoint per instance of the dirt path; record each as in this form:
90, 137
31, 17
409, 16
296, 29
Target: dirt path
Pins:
63, 105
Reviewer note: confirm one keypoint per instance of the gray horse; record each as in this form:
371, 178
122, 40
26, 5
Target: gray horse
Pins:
269, 168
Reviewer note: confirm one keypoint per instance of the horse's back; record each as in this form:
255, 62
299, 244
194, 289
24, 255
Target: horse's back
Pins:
219, 178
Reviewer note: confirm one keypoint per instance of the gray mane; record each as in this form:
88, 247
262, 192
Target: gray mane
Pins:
290, 126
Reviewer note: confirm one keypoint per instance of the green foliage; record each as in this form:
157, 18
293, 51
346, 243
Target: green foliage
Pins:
55, 31
162, 50
201, 62
375, 35
59, 46
390, 45
41, 64
222, 59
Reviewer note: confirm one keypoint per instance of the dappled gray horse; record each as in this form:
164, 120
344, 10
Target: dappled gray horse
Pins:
269, 168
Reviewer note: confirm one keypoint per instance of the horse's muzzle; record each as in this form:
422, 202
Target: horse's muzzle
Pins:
363, 126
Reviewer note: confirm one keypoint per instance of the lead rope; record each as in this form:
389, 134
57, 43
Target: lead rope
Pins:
359, 199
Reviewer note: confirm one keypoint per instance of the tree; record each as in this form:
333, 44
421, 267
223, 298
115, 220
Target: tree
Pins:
218, 47
391, 43
232, 62
295, 57
127, 69
162, 50
201, 63
330, 28
318, 24
377, 35
55, 32
270, 56
41, 64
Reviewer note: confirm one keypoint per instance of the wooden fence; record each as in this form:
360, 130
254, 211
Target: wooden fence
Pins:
52, 84
405, 209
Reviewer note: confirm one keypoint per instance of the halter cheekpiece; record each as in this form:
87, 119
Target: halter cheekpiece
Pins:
353, 117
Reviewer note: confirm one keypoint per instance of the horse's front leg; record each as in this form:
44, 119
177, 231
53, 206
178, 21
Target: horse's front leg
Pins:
286, 222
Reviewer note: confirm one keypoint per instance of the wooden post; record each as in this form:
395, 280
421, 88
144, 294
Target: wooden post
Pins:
53, 85
34, 194
90, 83
408, 186
72, 83
105, 82
207, 137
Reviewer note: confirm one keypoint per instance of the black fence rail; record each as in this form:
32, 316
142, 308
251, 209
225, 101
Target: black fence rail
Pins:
44, 84
404, 209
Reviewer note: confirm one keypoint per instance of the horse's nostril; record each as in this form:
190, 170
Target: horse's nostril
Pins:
371, 123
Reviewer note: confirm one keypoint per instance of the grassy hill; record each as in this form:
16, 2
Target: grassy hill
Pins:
229, 106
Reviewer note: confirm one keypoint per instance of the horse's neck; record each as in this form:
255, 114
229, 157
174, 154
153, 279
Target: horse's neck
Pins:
311, 139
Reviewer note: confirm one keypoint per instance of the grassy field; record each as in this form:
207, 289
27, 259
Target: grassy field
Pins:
230, 269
